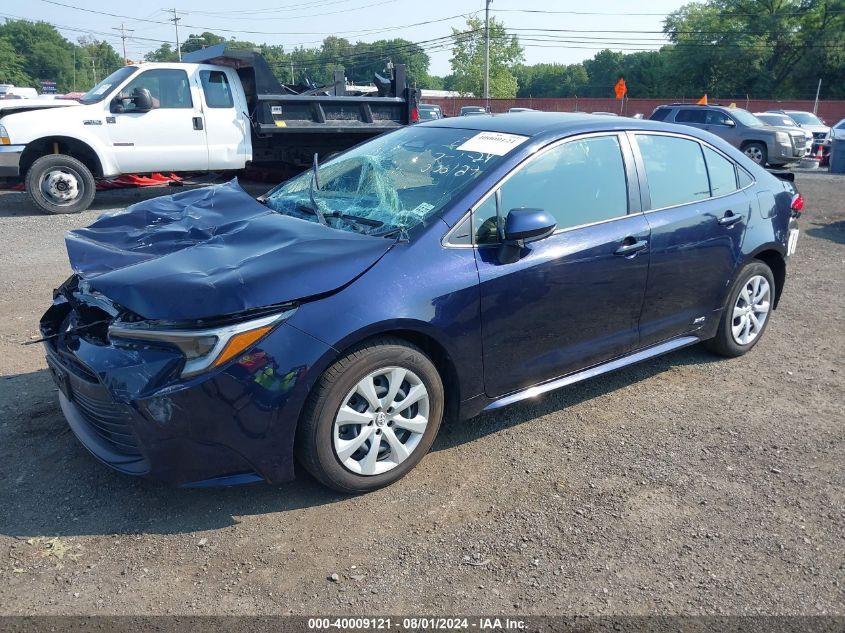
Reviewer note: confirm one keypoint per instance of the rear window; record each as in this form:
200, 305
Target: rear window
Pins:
690, 116
660, 114
216, 89
722, 173
675, 170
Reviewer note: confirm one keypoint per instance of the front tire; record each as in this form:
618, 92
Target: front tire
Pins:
58, 183
757, 152
372, 416
747, 311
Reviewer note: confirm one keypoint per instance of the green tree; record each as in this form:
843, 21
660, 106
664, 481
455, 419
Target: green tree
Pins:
468, 59
756, 47
47, 54
551, 80
12, 65
164, 53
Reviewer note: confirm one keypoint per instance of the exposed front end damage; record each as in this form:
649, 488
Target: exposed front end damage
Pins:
130, 404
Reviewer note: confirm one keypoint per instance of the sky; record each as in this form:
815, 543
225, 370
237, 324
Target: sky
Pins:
584, 27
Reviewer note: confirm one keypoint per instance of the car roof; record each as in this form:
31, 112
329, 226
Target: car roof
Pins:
552, 123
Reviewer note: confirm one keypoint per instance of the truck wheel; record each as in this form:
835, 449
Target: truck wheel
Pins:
757, 152
60, 184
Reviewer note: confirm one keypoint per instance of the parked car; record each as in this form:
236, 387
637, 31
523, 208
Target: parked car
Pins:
838, 131
813, 124
783, 122
451, 267
220, 109
760, 142
472, 110
430, 112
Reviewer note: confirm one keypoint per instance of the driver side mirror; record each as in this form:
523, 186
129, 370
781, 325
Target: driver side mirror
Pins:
730, 123
523, 226
141, 101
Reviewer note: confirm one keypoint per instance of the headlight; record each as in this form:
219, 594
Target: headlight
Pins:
783, 138
206, 348
4, 136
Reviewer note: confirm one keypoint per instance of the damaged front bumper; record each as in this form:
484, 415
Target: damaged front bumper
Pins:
130, 406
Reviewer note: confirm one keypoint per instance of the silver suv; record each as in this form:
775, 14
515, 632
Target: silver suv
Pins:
762, 143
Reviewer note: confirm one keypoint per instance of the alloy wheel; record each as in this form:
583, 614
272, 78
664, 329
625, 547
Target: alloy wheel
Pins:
381, 421
754, 153
751, 310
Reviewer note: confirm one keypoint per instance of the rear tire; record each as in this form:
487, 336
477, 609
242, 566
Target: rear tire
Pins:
747, 311
351, 437
58, 183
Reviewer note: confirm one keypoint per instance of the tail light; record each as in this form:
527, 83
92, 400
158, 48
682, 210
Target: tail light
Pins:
797, 205
415, 114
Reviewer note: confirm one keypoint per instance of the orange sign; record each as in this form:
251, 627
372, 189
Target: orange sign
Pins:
703, 100
620, 88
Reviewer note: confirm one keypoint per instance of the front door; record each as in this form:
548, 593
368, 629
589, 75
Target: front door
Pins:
573, 299
171, 136
697, 217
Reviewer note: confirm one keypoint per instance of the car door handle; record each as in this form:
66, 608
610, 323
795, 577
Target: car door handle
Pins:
729, 219
631, 246
197, 122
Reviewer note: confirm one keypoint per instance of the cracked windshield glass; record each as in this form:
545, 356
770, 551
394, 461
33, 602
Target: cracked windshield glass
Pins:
393, 182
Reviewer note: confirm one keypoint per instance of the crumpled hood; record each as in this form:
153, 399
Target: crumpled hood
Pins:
212, 252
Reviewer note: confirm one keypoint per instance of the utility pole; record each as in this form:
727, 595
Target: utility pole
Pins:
175, 19
94, 71
487, 54
123, 37
816, 104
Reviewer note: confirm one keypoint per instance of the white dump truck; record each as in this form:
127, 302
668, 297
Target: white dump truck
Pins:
219, 109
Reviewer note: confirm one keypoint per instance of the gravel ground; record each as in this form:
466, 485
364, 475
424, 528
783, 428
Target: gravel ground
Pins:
687, 484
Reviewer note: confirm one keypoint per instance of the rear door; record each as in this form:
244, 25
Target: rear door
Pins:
697, 216
170, 137
573, 299
225, 125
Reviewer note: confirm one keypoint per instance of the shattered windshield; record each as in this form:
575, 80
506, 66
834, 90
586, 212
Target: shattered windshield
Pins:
394, 181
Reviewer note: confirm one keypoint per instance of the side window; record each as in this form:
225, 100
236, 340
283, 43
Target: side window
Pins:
722, 173
169, 88
215, 86
745, 178
578, 182
714, 117
675, 170
690, 115
660, 114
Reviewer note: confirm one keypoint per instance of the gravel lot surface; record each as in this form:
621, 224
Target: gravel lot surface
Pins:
687, 484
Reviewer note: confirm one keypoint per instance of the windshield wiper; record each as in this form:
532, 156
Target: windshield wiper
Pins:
315, 177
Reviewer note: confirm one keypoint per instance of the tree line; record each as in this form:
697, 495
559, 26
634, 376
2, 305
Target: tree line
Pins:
726, 48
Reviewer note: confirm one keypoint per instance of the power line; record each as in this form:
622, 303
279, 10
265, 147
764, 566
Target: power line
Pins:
123, 37
175, 19
249, 32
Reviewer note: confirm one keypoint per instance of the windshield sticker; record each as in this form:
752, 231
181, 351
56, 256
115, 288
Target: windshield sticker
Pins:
102, 89
496, 143
421, 209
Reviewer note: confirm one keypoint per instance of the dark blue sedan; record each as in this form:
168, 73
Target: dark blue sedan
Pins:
444, 269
